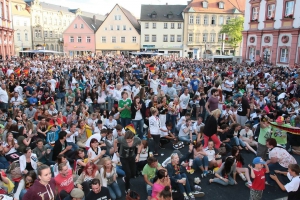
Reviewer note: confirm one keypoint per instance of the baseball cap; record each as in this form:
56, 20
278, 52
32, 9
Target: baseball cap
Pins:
77, 193
258, 160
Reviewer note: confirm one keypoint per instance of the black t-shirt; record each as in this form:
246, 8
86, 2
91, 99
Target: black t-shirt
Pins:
102, 195
243, 106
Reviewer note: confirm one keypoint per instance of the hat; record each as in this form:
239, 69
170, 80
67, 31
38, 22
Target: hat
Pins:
237, 95
77, 193
258, 160
280, 119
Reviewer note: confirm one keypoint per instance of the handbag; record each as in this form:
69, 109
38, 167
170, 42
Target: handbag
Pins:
132, 195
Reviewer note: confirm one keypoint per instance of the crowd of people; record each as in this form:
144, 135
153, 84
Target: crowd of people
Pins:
70, 127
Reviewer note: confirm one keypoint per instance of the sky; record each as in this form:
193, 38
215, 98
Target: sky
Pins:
105, 6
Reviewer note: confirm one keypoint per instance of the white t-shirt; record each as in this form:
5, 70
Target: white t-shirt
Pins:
71, 138
115, 133
228, 85
12, 150
135, 90
182, 133
93, 154
53, 84
196, 127
226, 113
283, 157
154, 85
248, 135
97, 136
292, 186
210, 154
184, 101
19, 90
110, 124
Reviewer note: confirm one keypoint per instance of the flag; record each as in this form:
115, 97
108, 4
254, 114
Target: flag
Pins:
293, 130
26, 71
131, 128
18, 71
180, 73
151, 67
169, 80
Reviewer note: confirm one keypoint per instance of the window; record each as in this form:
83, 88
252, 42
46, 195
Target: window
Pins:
103, 39
271, 11
25, 23
206, 20
134, 39
26, 36
45, 33
146, 38
165, 38
113, 39
60, 25
88, 39
124, 27
254, 13
119, 17
79, 39
19, 36
172, 38
178, 38
122, 39
197, 37
153, 38
172, 25
81, 25
118, 27
227, 20
116, 17
197, 19
191, 19
51, 22
165, 25
213, 20
204, 39
179, 26
190, 37
221, 5
105, 28
220, 37
75, 25
212, 37
284, 54
289, 8
204, 3
71, 39
65, 22
50, 33
221, 20
154, 25
146, 25
54, 23
111, 27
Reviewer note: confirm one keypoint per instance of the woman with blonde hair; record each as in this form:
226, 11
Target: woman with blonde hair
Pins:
108, 178
155, 129
211, 129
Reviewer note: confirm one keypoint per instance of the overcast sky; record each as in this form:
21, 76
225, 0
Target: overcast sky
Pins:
105, 6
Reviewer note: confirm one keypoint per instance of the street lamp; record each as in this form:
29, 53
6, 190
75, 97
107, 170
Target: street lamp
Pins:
266, 56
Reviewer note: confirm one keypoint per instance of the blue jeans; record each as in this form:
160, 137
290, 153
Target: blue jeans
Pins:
139, 127
125, 122
3, 163
172, 118
74, 146
272, 168
198, 162
114, 191
110, 103
230, 181
187, 138
120, 171
183, 188
22, 193
237, 141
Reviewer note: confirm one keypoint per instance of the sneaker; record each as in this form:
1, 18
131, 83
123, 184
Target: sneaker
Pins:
197, 188
198, 194
186, 197
203, 175
191, 196
249, 185
242, 176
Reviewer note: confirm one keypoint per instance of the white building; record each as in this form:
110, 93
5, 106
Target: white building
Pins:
162, 29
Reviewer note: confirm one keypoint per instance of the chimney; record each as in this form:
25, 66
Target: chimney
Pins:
94, 19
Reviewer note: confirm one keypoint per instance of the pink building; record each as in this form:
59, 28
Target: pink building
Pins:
6, 31
79, 37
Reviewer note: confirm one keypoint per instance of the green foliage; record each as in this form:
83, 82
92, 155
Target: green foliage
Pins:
234, 31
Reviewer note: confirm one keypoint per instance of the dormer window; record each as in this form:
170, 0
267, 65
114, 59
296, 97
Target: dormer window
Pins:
204, 4
170, 15
153, 14
221, 5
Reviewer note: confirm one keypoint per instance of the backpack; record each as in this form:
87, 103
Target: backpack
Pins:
15, 171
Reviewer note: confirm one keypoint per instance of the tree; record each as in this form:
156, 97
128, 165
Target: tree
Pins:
233, 30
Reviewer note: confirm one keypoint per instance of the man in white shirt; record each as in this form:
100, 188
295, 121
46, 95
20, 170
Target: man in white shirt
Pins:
136, 89
71, 134
184, 101
154, 83
228, 86
118, 131
3, 97
186, 132
16, 102
18, 89
197, 125
53, 84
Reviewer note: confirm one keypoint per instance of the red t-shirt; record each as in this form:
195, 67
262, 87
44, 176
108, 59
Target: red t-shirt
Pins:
64, 183
259, 180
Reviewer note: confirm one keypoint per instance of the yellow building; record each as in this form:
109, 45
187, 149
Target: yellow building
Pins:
203, 20
119, 33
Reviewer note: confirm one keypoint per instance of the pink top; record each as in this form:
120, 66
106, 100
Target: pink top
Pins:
157, 188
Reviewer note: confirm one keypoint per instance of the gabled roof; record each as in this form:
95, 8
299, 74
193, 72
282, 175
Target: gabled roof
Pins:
132, 19
230, 6
48, 6
90, 21
162, 12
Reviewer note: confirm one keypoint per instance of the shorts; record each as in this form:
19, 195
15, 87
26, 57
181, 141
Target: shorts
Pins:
255, 194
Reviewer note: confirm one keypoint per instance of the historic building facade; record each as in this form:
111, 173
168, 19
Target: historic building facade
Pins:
6, 30
272, 31
79, 37
162, 29
21, 25
119, 33
203, 20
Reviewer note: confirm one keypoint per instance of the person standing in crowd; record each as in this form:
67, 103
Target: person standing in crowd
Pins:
184, 101
264, 134
124, 107
3, 98
211, 129
155, 129
243, 111
212, 102
138, 110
